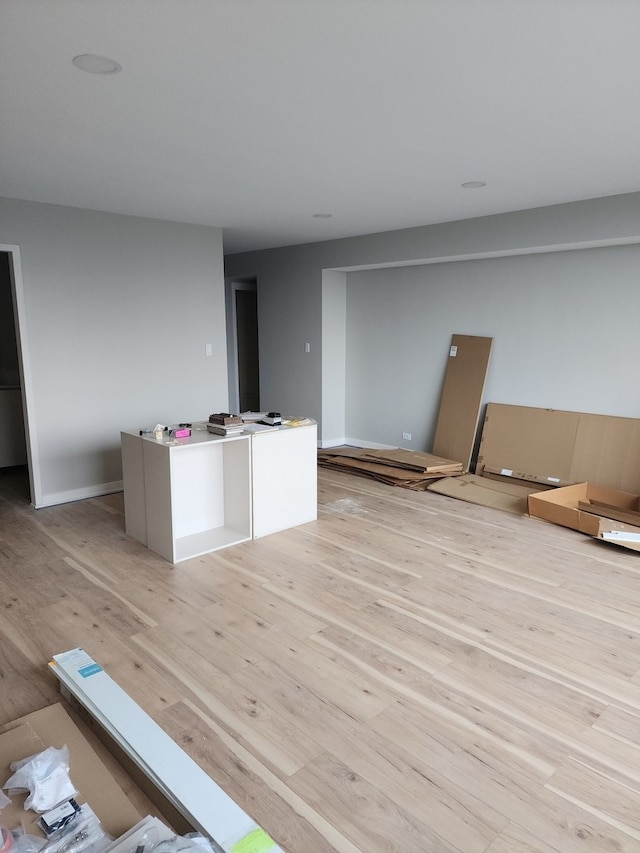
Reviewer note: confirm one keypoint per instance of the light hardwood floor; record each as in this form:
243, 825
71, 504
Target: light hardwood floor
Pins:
409, 673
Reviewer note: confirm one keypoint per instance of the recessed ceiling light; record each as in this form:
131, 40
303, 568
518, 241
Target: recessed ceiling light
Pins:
322, 215
473, 185
96, 64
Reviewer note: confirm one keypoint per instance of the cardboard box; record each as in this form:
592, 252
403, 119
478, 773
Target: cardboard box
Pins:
562, 506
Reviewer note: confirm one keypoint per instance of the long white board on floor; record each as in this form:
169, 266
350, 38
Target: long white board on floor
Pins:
187, 787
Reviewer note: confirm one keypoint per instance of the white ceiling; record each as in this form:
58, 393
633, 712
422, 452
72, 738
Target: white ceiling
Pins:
252, 115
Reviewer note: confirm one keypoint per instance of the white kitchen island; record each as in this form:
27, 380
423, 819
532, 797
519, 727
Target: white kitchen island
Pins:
191, 496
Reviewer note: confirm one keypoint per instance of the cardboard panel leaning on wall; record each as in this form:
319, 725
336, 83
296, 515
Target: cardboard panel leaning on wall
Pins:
607, 451
561, 448
528, 443
461, 401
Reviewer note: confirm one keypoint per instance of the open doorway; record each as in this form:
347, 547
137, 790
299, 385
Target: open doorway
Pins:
14, 465
242, 345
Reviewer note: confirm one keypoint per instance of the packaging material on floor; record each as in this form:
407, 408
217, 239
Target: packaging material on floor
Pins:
148, 831
560, 447
484, 491
409, 469
617, 533
593, 509
53, 727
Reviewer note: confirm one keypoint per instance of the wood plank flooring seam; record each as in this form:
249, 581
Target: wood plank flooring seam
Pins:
600, 813
438, 545
608, 615
203, 699
503, 652
342, 844
91, 577
525, 721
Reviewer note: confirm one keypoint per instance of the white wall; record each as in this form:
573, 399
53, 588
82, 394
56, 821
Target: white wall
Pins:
334, 320
563, 313
117, 313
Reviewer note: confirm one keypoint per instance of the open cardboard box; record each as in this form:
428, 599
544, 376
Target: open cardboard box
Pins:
609, 509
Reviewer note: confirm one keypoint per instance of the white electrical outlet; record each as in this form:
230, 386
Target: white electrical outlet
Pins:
307, 347
406, 436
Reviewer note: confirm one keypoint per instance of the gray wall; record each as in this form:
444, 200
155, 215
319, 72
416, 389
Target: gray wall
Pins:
557, 287
117, 312
564, 328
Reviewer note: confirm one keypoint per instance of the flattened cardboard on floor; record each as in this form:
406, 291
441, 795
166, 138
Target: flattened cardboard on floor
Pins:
379, 469
509, 497
461, 402
52, 726
415, 460
408, 469
560, 447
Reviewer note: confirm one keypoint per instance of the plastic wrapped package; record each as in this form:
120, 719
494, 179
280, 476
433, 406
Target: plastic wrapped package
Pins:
46, 777
84, 834
25, 843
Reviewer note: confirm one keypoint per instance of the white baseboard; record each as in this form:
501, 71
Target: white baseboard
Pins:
369, 445
80, 494
331, 442
327, 443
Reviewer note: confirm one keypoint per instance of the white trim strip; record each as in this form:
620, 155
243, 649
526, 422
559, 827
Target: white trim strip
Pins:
187, 787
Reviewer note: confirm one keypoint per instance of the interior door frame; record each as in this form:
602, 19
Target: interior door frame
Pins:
232, 285
24, 368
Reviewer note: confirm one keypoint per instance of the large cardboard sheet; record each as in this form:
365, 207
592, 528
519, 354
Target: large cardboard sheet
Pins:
482, 491
461, 401
409, 469
560, 447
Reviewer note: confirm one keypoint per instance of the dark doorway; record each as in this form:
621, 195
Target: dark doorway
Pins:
247, 340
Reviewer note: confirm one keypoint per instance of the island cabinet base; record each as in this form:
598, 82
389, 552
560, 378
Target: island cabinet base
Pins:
285, 479
183, 500
205, 492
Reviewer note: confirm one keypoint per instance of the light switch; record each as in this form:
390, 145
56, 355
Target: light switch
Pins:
208, 349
